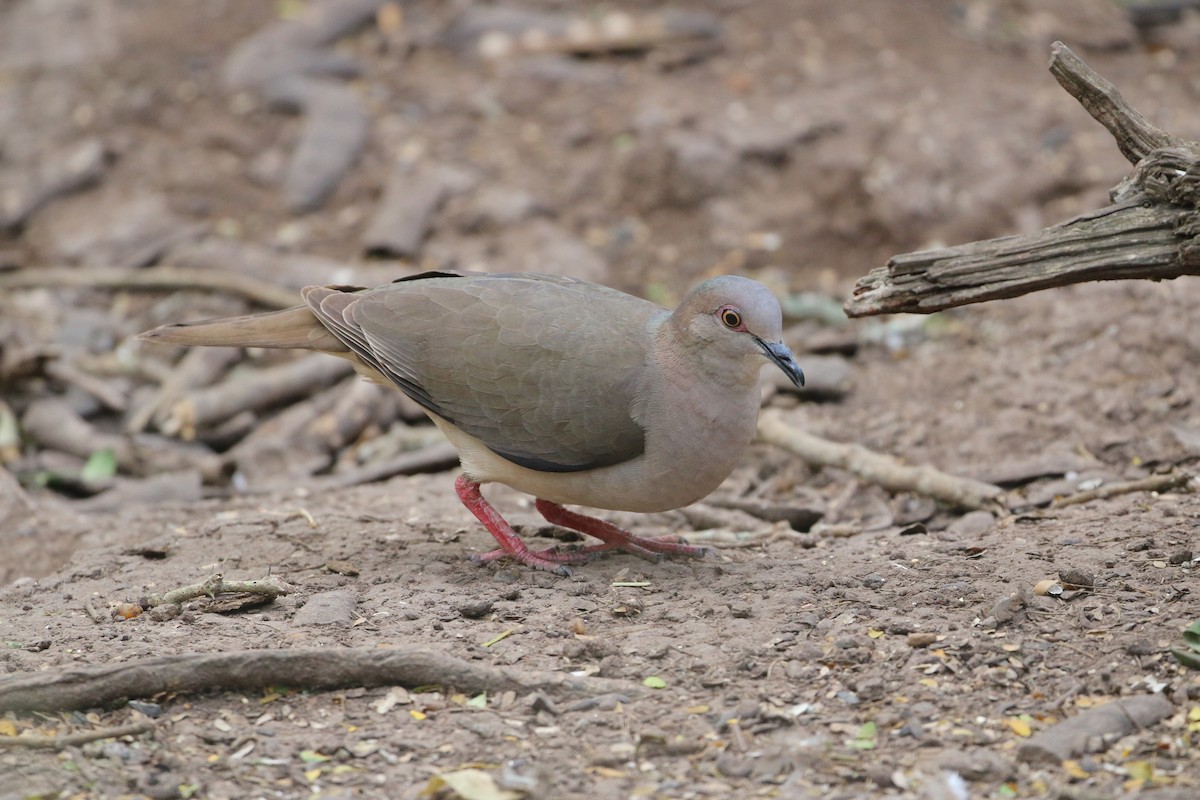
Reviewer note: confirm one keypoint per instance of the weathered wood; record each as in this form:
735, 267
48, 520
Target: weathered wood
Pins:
1149, 232
1134, 134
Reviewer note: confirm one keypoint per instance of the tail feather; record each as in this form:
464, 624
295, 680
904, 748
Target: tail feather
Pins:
292, 328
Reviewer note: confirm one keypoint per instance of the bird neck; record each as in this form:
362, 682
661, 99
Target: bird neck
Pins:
685, 356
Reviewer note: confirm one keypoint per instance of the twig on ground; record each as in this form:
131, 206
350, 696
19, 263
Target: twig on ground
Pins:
200, 366
878, 468
1109, 722
325, 668
1154, 483
725, 538
154, 279
95, 616
304, 439
55, 425
272, 586
431, 458
103, 391
75, 739
253, 390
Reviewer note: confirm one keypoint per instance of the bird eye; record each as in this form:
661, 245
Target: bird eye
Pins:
729, 317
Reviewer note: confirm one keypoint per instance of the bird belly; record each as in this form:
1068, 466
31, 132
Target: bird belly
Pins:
669, 475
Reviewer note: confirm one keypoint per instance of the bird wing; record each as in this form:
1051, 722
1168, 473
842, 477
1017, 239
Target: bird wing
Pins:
543, 370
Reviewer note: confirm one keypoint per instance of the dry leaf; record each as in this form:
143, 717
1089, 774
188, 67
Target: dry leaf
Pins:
468, 784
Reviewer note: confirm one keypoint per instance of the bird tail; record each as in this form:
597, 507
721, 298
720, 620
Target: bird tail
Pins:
292, 328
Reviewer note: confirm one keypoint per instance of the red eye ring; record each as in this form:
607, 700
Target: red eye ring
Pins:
731, 318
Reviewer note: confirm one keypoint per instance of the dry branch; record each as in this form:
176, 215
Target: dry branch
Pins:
1134, 134
880, 469
272, 586
200, 366
1107, 723
324, 668
1149, 232
155, 279
1154, 483
253, 390
431, 458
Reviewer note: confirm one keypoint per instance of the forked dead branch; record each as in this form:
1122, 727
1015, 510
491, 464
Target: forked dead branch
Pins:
1149, 231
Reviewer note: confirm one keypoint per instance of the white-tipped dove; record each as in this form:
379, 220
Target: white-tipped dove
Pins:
565, 390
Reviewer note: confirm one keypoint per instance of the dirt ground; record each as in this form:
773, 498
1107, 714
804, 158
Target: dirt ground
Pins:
894, 649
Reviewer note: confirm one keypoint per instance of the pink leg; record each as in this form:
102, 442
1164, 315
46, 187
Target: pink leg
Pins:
649, 548
510, 544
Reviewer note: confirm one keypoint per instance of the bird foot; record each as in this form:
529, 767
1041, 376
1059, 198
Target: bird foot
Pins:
651, 548
510, 544
558, 560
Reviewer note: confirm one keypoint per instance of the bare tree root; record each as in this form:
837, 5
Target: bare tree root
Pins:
325, 668
880, 469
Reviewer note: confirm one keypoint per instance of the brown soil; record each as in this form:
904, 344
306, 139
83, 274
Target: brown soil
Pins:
819, 139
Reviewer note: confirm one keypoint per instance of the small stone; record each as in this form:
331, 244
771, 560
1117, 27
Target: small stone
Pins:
165, 612
870, 688
1180, 557
152, 710
475, 609
874, 581
740, 610
921, 639
1077, 578
971, 525
327, 608
538, 701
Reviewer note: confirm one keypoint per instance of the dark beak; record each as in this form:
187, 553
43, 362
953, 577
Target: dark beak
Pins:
782, 357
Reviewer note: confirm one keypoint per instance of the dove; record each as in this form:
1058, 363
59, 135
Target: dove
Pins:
569, 391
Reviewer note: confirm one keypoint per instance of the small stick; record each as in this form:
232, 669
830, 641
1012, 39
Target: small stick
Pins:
154, 279
97, 388
1106, 723
1154, 483
75, 739
89, 608
879, 469
215, 584
199, 367
724, 538
431, 458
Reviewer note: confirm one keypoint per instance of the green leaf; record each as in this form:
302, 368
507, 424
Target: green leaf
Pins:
655, 682
312, 757
101, 466
1191, 635
478, 701
864, 739
1187, 658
